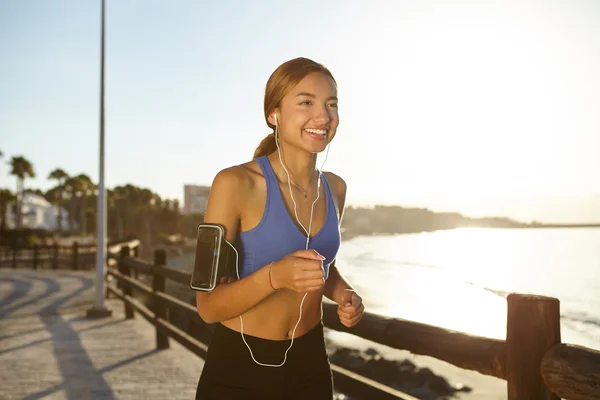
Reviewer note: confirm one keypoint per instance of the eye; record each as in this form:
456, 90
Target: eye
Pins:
306, 102
333, 105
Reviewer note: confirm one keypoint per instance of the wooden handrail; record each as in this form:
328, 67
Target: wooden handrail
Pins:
484, 355
174, 275
350, 381
166, 327
115, 248
140, 266
572, 372
532, 360
148, 269
72, 256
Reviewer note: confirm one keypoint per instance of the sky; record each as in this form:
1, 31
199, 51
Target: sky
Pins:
481, 107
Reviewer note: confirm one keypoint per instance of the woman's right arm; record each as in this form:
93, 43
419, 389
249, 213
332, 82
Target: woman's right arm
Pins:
229, 300
301, 271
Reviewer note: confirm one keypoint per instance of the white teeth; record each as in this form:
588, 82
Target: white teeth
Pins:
317, 131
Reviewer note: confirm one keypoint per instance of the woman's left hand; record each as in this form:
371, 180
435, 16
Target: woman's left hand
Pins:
350, 308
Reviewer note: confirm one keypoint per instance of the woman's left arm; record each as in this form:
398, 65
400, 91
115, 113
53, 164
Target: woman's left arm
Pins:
337, 288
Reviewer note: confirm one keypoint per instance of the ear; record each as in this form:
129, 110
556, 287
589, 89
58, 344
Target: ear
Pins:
272, 117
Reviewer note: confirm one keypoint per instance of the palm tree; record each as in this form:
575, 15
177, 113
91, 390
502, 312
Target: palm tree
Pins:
79, 188
71, 189
120, 198
145, 213
34, 191
61, 176
134, 202
5, 198
21, 168
87, 188
111, 208
1, 154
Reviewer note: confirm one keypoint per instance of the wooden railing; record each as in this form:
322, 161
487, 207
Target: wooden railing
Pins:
75, 256
161, 306
532, 359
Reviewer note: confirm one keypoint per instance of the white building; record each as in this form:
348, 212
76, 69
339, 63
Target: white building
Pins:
36, 213
195, 198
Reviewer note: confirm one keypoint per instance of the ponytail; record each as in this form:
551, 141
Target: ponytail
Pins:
266, 146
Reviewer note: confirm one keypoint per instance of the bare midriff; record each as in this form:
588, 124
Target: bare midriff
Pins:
276, 316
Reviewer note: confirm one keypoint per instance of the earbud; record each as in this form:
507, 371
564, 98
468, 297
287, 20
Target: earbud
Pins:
275, 117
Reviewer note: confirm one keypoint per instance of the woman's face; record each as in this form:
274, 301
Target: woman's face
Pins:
308, 115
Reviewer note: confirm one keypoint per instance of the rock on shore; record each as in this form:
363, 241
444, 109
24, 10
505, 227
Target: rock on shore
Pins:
403, 375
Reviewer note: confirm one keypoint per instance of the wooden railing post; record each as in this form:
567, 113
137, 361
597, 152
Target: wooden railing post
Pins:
36, 254
75, 256
14, 256
136, 254
125, 270
533, 327
55, 256
158, 285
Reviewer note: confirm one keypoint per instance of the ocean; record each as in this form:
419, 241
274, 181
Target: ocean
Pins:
459, 279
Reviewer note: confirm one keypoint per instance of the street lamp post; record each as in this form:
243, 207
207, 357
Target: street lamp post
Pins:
100, 310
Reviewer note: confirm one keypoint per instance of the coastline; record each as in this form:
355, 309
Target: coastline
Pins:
349, 234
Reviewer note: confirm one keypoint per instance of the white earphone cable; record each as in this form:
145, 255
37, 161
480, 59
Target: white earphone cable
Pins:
307, 241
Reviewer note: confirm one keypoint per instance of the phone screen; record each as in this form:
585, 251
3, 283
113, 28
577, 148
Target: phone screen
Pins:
205, 260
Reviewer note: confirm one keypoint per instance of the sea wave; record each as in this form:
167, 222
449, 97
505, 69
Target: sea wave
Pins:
367, 257
577, 320
498, 292
581, 318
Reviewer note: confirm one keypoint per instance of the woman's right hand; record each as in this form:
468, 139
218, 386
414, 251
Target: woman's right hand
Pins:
301, 271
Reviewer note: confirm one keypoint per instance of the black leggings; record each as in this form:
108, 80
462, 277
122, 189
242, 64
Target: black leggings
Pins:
230, 373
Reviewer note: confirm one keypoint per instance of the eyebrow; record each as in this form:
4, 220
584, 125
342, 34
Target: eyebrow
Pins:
314, 97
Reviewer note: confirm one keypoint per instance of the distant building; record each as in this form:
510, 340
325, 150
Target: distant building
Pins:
195, 198
36, 213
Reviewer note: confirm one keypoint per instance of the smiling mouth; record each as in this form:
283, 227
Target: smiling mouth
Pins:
321, 132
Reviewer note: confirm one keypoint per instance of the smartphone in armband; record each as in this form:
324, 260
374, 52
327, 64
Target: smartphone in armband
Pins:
215, 258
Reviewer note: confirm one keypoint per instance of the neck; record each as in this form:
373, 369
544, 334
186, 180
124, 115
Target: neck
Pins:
300, 165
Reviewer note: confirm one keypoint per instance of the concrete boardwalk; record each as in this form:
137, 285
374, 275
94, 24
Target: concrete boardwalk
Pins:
50, 350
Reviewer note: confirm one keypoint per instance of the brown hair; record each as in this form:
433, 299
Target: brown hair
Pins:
281, 81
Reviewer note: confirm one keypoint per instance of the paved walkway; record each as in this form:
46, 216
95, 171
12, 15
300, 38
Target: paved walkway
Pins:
50, 350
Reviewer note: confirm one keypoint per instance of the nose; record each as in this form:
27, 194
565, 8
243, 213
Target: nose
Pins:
322, 115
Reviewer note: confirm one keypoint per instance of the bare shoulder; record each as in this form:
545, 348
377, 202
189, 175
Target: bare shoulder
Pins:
232, 186
338, 187
226, 198
228, 181
237, 177
252, 171
337, 184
